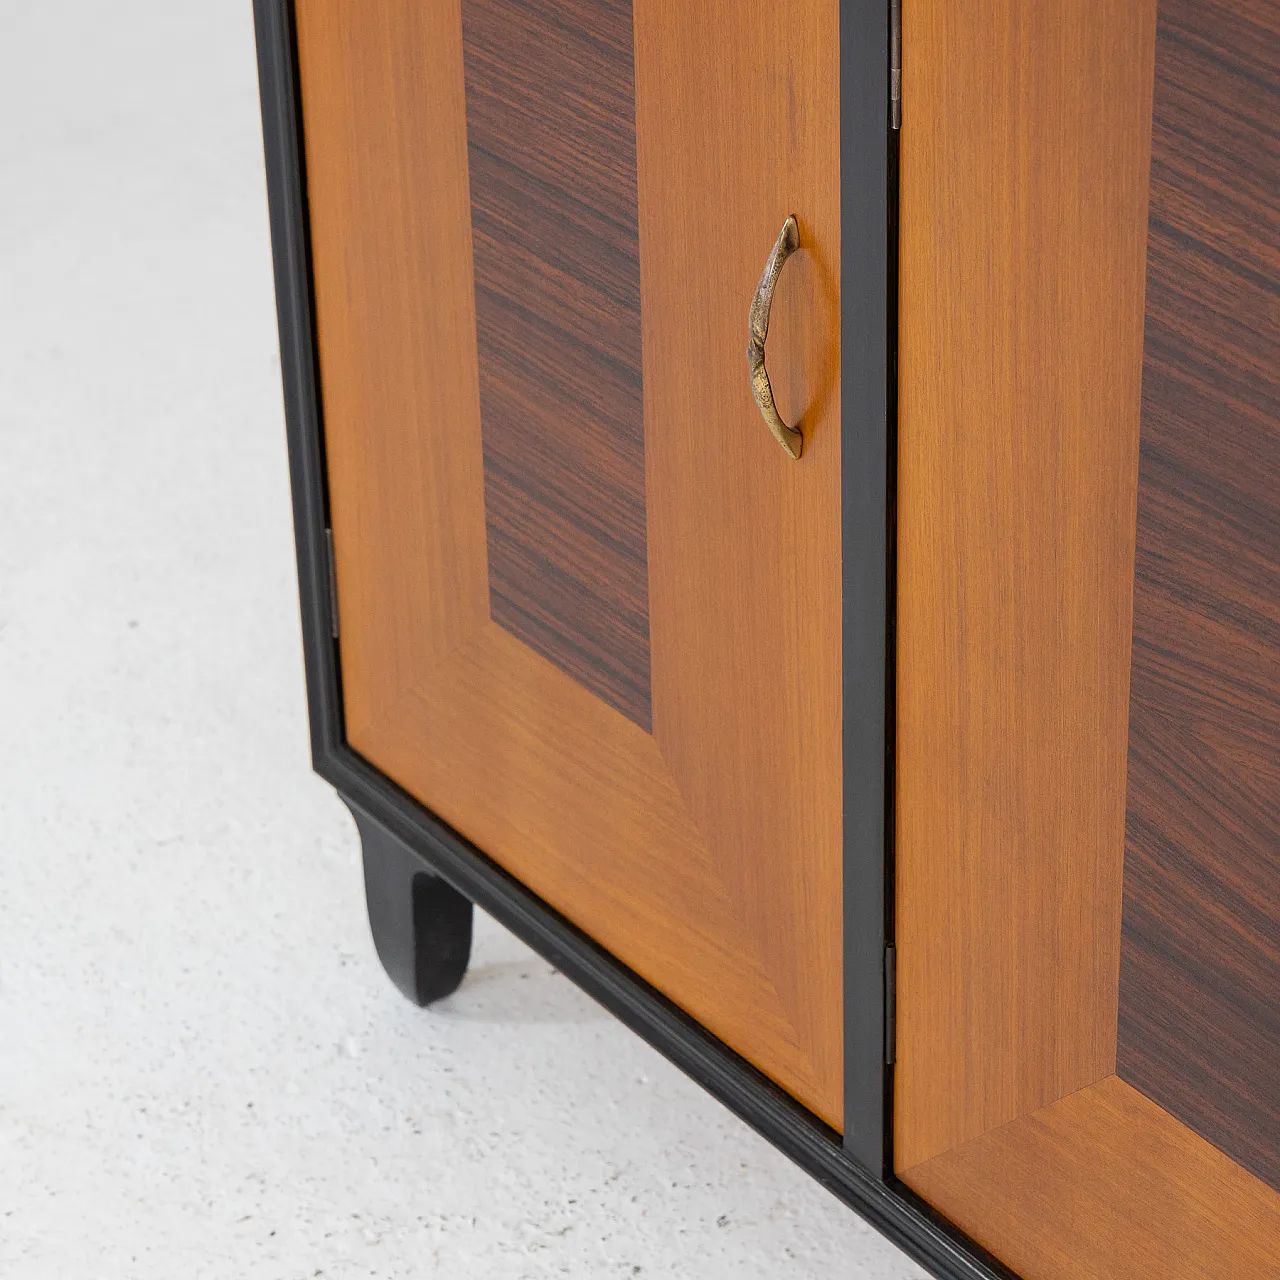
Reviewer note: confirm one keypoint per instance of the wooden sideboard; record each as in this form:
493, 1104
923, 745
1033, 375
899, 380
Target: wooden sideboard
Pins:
788, 520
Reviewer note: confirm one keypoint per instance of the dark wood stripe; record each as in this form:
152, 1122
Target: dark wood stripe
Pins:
1200, 954
552, 154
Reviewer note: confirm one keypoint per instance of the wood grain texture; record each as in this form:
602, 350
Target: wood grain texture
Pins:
1024, 156
706, 855
551, 155
744, 542
1200, 949
1104, 1185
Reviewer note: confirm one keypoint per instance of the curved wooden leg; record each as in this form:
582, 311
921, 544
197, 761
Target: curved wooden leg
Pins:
421, 924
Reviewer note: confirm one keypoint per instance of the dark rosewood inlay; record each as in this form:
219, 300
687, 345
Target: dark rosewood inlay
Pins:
1200, 952
551, 147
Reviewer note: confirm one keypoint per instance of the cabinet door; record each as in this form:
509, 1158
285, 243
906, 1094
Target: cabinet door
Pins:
1088, 830
590, 609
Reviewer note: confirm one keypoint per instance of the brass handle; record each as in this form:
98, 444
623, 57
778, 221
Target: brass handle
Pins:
784, 246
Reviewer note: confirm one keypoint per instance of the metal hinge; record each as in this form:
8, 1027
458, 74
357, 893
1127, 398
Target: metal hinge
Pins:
332, 572
895, 64
890, 1004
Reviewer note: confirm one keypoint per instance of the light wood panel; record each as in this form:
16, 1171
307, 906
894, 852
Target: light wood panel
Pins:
744, 542
1104, 1185
708, 855
1023, 220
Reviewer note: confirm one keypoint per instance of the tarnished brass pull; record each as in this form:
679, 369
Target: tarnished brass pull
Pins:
784, 246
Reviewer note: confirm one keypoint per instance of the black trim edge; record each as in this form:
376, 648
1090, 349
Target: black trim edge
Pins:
866, 544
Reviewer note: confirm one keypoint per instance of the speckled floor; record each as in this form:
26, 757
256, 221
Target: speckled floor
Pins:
203, 1071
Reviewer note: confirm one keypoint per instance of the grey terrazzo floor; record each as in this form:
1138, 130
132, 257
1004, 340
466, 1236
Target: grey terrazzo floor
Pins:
203, 1071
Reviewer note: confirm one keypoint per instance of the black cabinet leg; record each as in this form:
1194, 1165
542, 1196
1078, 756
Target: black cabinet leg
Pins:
421, 924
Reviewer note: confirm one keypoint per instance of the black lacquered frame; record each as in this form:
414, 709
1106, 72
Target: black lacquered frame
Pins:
855, 1167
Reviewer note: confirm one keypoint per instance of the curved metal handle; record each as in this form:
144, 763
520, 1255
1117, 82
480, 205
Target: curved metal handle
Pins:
784, 246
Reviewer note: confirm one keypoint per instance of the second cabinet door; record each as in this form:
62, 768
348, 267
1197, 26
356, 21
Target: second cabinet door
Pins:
590, 610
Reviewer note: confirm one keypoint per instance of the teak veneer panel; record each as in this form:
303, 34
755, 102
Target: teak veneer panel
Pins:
1104, 1185
706, 855
1200, 943
1023, 213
